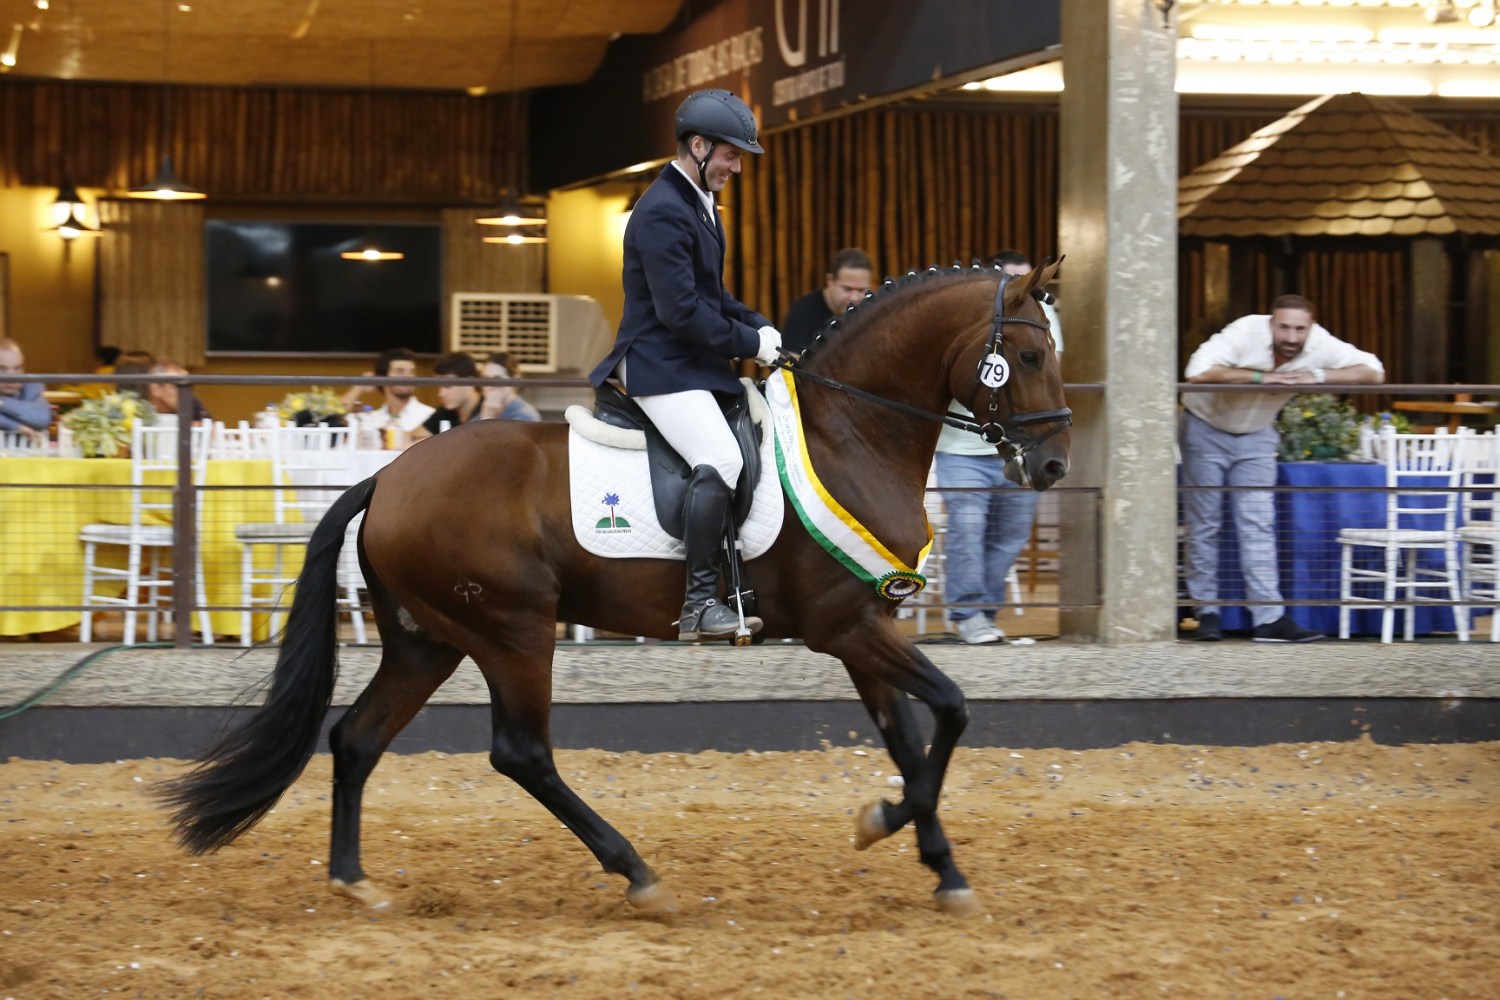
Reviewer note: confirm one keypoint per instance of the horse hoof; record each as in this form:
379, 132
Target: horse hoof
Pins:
653, 898
958, 902
870, 826
364, 891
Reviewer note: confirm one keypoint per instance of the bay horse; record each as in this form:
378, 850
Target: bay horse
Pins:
467, 547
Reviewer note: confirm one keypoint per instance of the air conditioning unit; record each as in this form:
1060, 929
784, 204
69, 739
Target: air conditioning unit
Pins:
547, 334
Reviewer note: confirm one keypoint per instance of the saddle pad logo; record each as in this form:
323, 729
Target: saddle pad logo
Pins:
611, 523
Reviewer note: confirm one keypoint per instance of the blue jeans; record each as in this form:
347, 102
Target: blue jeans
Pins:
1211, 457
986, 531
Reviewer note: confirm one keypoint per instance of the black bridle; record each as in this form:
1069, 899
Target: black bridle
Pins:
993, 373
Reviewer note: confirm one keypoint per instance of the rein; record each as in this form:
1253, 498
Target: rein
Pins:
994, 372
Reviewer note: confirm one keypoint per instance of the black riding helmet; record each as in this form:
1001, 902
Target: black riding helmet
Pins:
718, 116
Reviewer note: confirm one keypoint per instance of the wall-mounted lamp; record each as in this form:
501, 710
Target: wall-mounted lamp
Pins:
68, 203
73, 227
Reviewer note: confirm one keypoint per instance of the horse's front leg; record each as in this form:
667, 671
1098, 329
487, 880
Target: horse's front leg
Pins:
883, 676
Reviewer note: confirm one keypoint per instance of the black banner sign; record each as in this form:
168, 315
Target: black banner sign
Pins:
790, 59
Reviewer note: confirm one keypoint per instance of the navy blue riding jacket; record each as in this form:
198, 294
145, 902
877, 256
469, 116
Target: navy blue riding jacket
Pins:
681, 326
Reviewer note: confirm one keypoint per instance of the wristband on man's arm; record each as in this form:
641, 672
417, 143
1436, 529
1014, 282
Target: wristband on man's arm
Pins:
1255, 377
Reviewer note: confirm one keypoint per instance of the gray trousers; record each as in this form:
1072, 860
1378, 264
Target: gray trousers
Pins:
1211, 457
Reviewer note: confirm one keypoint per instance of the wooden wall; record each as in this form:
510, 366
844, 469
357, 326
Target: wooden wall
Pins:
257, 143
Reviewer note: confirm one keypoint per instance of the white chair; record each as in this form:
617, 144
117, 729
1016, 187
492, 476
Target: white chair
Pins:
1479, 525
1417, 520
310, 467
241, 442
153, 481
19, 444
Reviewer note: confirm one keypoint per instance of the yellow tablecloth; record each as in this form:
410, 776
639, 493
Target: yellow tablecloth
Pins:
41, 557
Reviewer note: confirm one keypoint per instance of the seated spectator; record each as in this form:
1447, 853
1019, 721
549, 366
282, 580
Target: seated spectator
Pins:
22, 407
133, 363
163, 396
400, 404
461, 403
106, 356
504, 402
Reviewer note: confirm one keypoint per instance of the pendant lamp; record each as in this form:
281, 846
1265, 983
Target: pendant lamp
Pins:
166, 185
519, 221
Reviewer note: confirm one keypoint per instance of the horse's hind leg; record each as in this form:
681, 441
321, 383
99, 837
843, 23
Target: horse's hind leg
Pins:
411, 668
520, 705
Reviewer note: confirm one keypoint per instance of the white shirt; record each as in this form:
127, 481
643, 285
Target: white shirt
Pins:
413, 415
1246, 343
707, 197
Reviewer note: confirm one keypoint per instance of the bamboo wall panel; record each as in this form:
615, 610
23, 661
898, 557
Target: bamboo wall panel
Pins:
257, 143
913, 188
151, 278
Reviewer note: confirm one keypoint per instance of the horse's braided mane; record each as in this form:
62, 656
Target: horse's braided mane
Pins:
855, 314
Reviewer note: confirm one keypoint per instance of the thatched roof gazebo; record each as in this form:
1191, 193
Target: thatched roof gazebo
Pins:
1389, 222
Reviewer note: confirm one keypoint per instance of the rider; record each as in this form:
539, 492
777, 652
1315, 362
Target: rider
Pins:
680, 330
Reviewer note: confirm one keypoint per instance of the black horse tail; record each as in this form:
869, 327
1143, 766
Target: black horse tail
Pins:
242, 776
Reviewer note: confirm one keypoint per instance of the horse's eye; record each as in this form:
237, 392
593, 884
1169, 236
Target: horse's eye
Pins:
1032, 358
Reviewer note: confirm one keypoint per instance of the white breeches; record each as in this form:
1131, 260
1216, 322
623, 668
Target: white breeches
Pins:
694, 425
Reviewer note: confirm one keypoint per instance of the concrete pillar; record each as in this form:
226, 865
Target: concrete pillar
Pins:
1118, 227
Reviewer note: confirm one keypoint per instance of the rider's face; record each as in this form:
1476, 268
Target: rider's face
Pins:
723, 163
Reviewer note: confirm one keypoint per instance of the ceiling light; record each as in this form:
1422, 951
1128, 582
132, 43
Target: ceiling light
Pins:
1469, 88
166, 186
1302, 33
8, 57
514, 239
1439, 36
372, 254
512, 214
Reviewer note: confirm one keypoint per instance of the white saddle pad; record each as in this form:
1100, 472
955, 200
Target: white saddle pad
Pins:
609, 484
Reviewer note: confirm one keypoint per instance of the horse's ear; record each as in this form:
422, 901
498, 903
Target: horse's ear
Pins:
1048, 271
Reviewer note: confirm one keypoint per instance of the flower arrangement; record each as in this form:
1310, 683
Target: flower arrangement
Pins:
100, 428
1317, 426
315, 406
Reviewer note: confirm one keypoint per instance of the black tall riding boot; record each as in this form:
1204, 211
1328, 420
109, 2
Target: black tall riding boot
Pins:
705, 514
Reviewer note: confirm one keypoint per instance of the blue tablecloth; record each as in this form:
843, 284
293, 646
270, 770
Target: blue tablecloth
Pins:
1307, 529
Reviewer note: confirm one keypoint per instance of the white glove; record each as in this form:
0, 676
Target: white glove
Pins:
770, 341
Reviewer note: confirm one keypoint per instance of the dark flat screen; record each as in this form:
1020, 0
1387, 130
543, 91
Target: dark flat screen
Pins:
283, 288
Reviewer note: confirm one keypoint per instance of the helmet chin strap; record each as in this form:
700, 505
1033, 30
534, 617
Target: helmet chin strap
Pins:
703, 163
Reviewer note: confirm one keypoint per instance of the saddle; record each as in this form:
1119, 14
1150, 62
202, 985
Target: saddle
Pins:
669, 472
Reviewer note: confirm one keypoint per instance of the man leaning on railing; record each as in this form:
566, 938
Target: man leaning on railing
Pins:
23, 409
1229, 439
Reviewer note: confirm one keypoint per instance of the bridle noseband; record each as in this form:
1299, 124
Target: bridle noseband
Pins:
993, 373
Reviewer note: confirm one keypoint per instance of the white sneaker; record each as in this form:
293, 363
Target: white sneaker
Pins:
976, 630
